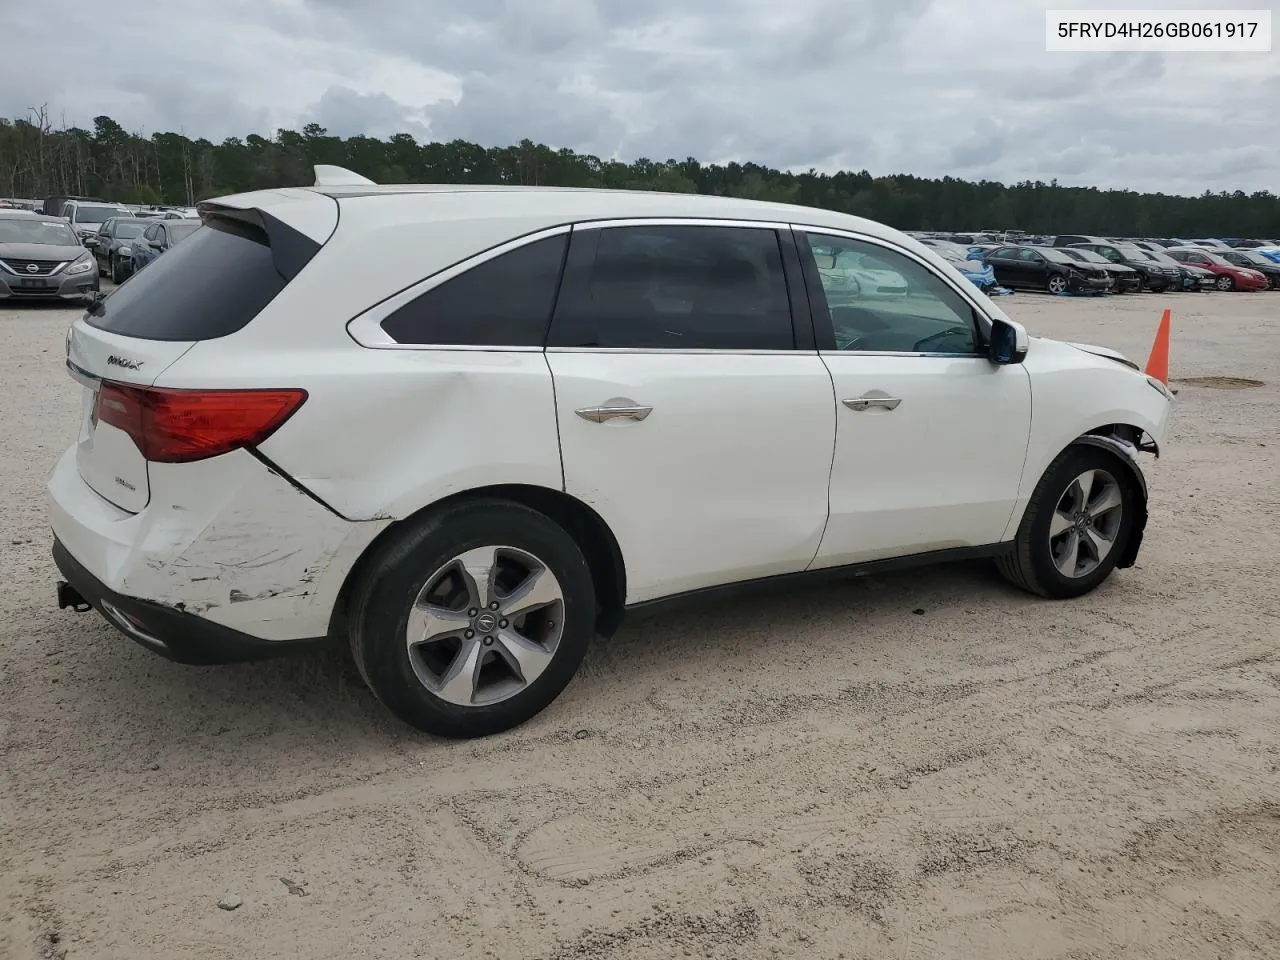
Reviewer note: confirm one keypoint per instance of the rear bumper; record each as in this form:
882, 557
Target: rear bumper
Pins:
167, 631
224, 540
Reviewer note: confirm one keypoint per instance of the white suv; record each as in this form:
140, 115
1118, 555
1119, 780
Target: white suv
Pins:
465, 428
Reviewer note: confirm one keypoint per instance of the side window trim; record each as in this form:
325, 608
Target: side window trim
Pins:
366, 327
803, 341
823, 329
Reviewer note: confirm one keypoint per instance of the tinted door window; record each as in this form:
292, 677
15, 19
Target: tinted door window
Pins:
881, 300
505, 301
674, 288
1028, 256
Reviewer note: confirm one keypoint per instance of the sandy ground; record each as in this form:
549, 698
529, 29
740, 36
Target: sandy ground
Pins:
927, 765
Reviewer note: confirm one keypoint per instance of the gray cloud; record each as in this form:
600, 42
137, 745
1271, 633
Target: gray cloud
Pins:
931, 87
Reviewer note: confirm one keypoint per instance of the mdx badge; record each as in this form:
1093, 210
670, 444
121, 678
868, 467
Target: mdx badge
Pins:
114, 361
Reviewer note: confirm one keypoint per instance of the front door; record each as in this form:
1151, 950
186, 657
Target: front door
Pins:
930, 435
689, 420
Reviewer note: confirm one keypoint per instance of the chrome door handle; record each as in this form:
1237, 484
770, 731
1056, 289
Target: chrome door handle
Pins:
618, 408
866, 403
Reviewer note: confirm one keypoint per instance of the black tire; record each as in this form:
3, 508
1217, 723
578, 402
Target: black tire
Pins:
1030, 564
382, 599
1057, 279
117, 271
1225, 282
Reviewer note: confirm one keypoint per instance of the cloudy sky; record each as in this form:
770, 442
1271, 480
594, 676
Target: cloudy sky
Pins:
931, 87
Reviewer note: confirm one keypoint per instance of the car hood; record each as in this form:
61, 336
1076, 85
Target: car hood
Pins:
1103, 352
39, 251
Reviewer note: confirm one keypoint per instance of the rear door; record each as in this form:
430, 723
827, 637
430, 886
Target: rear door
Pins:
694, 414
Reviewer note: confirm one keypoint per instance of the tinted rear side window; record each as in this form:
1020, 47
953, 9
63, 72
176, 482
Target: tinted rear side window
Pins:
505, 301
674, 288
208, 286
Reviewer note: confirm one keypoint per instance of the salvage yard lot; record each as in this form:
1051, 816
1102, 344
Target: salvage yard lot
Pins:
921, 765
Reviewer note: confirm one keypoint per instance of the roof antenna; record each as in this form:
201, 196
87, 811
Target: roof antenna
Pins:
327, 175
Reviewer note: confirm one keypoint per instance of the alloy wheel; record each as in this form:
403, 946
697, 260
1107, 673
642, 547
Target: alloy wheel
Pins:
1085, 523
485, 625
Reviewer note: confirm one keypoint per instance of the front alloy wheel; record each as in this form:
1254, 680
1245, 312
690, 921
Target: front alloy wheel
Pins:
1225, 282
1057, 284
1076, 525
1082, 533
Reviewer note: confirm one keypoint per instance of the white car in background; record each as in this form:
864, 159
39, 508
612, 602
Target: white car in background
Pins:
858, 274
540, 408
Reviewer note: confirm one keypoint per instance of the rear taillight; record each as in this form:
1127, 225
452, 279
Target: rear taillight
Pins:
179, 426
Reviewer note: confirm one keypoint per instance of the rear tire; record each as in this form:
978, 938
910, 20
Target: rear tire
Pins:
475, 663
1072, 534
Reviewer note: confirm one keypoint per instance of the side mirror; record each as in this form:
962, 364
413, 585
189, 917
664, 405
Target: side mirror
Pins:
1008, 342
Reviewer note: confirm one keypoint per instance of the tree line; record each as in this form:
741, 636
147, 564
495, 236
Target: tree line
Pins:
38, 160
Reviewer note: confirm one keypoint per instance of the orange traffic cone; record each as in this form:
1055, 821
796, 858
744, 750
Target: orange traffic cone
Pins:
1158, 362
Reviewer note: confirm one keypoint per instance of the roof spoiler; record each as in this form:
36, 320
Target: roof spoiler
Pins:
327, 175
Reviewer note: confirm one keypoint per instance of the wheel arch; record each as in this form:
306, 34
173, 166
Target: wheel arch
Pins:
1123, 441
588, 529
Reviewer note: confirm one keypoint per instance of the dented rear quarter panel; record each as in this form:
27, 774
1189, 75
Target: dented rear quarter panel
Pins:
241, 546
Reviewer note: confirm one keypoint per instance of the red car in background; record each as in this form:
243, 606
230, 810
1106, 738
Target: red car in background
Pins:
1230, 276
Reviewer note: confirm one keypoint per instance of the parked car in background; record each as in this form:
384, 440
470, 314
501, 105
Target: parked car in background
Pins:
53, 206
41, 258
273, 453
1155, 277
1255, 261
113, 246
86, 219
1048, 269
159, 236
970, 265
1124, 279
1194, 279
1229, 275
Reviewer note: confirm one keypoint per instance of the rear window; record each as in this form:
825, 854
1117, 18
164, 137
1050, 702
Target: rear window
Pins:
210, 285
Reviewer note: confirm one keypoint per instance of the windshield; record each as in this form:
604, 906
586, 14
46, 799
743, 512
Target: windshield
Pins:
19, 230
1056, 254
1088, 256
127, 230
1252, 257
91, 214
